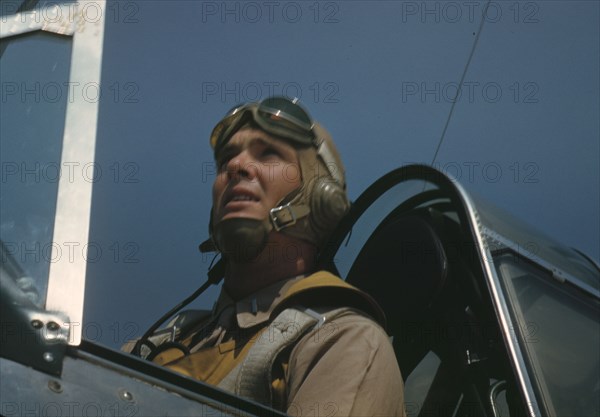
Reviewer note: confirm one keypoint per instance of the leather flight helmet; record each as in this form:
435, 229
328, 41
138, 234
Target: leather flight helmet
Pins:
310, 212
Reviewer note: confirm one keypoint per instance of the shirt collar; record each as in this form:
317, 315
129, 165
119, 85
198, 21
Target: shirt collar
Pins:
257, 307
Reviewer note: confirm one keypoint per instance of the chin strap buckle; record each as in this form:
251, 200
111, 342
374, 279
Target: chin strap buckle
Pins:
282, 216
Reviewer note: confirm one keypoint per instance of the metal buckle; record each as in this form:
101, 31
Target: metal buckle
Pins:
279, 224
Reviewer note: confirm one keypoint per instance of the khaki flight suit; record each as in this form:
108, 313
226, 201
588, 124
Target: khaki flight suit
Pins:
346, 366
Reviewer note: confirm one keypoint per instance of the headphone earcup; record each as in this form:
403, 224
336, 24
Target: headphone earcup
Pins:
328, 204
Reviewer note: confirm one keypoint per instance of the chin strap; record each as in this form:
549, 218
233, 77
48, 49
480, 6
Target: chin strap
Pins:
287, 215
280, 217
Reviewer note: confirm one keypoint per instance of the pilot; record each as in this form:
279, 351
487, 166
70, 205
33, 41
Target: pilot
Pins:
283, 332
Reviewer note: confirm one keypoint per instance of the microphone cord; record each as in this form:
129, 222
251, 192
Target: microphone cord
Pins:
215, 275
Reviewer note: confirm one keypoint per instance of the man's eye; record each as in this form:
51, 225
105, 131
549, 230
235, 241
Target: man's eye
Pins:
222, 161
270, 151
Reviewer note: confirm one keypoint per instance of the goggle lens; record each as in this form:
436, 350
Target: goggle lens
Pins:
287, 109
277, 115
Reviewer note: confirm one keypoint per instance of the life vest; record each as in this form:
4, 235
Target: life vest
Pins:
244, 366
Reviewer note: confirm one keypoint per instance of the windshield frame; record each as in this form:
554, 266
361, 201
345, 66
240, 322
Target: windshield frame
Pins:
66, 276
535, 334
469, 217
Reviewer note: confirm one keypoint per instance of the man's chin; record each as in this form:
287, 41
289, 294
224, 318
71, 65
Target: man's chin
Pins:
241, 215
240, 238
243, 210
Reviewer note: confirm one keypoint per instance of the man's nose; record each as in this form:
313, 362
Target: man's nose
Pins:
242, 165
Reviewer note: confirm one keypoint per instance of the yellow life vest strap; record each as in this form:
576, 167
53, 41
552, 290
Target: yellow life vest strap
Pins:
322, 288
247, 370
253, 377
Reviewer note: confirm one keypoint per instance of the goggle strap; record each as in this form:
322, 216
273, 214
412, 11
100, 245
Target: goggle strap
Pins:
326, 154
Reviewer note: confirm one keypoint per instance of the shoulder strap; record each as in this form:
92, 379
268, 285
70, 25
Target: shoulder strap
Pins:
252, 378
323, 288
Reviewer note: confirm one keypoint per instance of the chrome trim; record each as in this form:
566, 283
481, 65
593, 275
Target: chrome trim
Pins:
56, 18
74, 200
557, 273
66, 278
495, 390
500, 304
458, 404
50, 324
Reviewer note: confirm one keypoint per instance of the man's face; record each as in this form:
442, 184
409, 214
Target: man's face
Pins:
255, 171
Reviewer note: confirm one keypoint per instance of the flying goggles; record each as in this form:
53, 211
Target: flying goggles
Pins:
278, 116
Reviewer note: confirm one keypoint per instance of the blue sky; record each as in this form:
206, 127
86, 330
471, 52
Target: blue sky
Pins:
380, 75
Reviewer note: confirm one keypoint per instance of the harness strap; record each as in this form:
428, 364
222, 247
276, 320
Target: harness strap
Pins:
253, 376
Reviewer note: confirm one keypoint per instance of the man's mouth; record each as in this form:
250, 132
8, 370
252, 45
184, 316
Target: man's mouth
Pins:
240, 196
